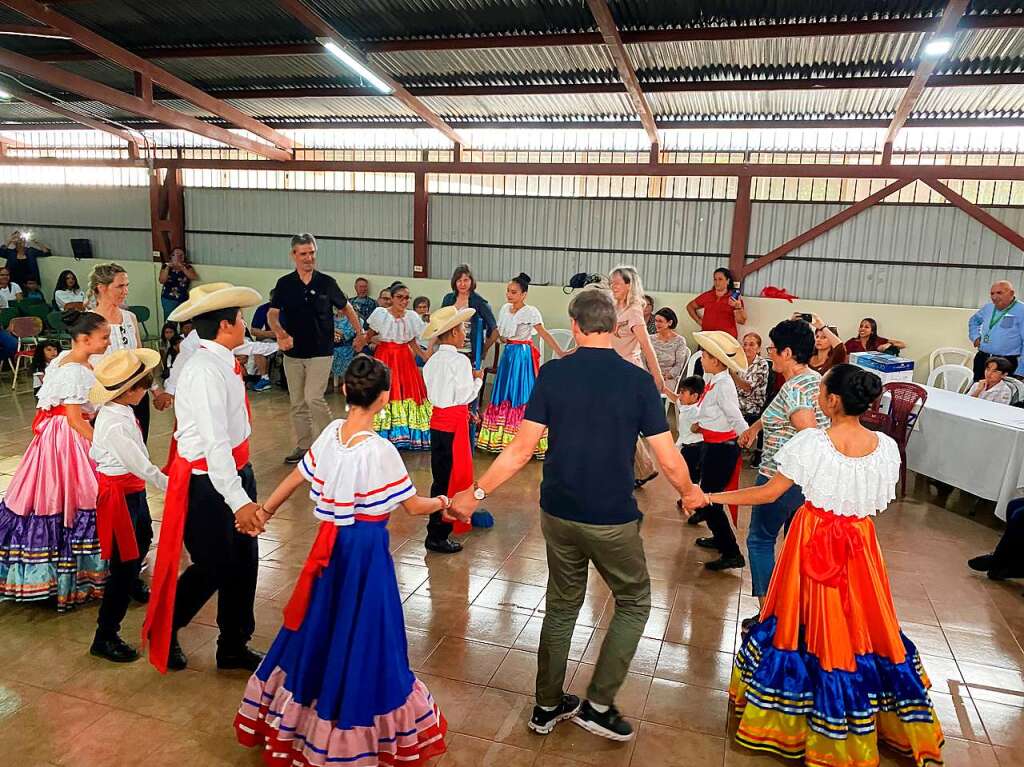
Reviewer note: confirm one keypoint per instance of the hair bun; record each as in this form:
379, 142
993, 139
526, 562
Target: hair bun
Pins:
524, 277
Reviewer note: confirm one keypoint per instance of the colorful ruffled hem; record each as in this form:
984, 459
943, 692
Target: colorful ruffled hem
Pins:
405, 423
499, 427
294, 735
788, 705
41, 559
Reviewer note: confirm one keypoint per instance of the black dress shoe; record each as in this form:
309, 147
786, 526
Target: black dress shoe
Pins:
726, 563
176, 660
113, 649
707, 543
245, 659
140, 591
447, 546
982, 564
697, 517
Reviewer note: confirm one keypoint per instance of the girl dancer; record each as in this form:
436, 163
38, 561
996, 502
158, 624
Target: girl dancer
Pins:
48, 541
335, 687
826, 672
406, 419
517, 369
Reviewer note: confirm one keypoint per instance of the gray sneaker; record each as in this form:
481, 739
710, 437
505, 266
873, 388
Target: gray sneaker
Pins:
295, 456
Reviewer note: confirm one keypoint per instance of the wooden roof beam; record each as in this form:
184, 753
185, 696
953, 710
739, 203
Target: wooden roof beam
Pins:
610, 33
82, 119
88, 39
320, 27
94, 91
946, 26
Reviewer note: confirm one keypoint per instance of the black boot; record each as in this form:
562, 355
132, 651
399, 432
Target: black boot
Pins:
114, 649
176, 659
243, 658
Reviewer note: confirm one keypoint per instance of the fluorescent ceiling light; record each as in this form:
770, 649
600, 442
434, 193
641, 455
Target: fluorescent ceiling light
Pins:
354, 64
938, 47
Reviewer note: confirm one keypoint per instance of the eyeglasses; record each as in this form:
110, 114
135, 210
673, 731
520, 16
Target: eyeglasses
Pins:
400, 298
770, 349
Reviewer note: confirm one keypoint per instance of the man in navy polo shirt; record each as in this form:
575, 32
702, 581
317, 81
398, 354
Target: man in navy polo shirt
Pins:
594, 405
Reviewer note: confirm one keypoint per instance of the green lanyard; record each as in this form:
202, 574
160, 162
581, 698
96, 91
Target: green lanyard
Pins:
997, 316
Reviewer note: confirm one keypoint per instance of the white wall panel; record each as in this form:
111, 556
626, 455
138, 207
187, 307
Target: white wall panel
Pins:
356, 232
959, 257
675, 244
115, 220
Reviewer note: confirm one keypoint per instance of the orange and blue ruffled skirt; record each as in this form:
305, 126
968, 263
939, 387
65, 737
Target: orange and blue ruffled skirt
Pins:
826, 673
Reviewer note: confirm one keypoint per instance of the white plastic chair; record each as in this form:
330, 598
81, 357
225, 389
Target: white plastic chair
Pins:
1018, 390
949, 355
691, 364
951, 378
564, 339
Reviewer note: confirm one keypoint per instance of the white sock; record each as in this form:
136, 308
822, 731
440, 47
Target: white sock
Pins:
599, 708
549, 709
265, 378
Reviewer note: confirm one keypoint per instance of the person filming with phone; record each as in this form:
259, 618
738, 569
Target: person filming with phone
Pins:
176, 276
22, 253
720, 308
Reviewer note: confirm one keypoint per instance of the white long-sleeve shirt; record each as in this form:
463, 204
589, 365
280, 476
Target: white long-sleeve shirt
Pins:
190, 345
118, 449
212, 417
720, 406
448, 376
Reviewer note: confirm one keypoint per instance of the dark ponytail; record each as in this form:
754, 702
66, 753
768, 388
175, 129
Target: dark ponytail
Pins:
523, 281
856, 387
365, 378
81, 323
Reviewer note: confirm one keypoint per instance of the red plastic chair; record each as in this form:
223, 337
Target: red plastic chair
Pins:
905, 405
27, 330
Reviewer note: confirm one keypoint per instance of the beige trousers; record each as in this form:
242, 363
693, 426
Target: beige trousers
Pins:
307, 382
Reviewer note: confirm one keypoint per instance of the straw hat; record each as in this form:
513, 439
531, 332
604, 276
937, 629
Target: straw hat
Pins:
116, 372
723, 347
212, 296
444, 319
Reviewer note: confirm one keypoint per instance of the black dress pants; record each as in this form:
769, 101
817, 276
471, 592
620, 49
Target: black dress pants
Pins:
716, 471
693, 454
441, 444
224, 561
124, 573
1009, 554
142, 416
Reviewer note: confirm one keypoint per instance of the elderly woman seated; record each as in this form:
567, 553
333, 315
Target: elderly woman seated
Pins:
868, 340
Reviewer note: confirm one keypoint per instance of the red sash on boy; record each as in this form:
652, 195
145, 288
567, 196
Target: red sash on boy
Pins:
456, 420
715, 438
534, 352
42, 416
157, 627
113, 522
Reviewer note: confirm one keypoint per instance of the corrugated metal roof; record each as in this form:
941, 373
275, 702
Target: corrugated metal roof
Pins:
996, 101
610, 106
498, 64
866, 103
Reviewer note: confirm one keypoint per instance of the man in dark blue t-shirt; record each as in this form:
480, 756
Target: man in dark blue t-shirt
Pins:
594, 405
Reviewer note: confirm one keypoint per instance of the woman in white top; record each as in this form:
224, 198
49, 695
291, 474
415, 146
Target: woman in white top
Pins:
10, 292
68, 291
108, 284
49, 547
405, 421
826, 672
721, 422
517, 369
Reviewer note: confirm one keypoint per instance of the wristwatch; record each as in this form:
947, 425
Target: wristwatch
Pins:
478, 492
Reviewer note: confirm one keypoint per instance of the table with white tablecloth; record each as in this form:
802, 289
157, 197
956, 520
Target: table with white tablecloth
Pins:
971, 444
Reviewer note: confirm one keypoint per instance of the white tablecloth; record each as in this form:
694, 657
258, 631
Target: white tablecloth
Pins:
972, 444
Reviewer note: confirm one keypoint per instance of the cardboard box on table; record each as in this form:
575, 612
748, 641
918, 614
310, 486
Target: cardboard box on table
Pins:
887, 366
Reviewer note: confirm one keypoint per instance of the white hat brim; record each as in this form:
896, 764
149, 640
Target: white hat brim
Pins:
710, 345
433, 331
225, 298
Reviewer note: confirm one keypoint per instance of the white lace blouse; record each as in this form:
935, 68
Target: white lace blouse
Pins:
66, 385
398, 330
844, 486
518, 326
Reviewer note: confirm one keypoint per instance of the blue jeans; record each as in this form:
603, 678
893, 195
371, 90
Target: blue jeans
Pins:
765, 522
169, 305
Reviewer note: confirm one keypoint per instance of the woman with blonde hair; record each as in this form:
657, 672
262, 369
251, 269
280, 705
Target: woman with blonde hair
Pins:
633, 344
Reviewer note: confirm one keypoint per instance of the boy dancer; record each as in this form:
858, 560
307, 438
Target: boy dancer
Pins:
123, 467
451, 385
211, 493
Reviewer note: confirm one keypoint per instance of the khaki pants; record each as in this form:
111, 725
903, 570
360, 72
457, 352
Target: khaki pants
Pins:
617, 552
643, 463
307, 382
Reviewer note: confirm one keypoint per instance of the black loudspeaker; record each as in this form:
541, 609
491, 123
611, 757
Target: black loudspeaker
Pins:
81, 249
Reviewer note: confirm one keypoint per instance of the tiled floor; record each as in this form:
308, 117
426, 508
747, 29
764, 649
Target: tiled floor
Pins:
473, 622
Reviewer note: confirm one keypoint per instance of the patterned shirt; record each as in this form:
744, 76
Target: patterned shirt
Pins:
798, 393
364, 306
756, 374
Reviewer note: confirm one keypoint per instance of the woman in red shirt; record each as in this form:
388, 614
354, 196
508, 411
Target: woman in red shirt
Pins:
716, 309
868, 340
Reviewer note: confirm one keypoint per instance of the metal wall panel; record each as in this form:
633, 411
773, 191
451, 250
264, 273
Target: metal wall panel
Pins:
675, 244
960, 257
114, 220
356, 232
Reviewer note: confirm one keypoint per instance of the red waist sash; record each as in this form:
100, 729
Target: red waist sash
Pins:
42, 416
717, 438
316, 562
534, 352
157, 627
825, 555
113, 522
456, 420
